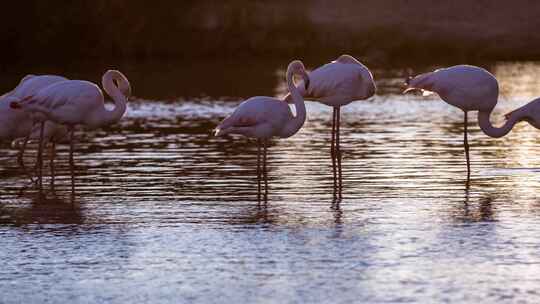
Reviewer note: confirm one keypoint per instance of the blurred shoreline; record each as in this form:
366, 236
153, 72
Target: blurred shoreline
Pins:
382, 32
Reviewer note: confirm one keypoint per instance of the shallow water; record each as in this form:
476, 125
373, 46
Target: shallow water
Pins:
163, 211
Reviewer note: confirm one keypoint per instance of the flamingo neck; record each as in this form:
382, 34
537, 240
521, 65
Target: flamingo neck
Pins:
296, 122
492, 131
117, 94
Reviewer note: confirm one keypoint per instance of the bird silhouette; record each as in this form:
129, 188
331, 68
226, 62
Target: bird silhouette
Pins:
336, 84
19, 125
264, 117
77, 102
469, 88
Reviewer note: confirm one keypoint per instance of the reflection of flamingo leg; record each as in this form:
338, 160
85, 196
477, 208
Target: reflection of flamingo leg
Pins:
466, 144
265, 170
71, 161
259, 170
40, 157
51, 162
20, 158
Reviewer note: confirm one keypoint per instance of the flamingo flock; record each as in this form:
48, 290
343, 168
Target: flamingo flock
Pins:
48, 108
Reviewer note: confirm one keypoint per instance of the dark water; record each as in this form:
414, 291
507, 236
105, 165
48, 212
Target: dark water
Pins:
165, 212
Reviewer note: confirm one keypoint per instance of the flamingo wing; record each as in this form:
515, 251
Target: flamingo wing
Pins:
31, 84
256, 111
333, 79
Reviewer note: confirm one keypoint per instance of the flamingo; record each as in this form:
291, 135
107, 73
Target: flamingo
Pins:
336, 84
469, 88
77, 102
529, 113
263, 117
16, 124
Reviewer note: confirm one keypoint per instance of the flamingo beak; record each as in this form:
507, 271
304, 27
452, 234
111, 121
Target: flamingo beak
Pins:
406, 85
306, 81
408, 80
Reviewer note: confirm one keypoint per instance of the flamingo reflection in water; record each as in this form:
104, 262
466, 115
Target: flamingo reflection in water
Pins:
53, 209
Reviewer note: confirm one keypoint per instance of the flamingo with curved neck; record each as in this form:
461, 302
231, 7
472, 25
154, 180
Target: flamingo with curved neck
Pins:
469, 88
17, 126
294, 124
337, 84
491, 130
78, 102
264, 117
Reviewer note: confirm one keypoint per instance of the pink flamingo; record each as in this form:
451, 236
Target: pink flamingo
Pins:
337, 84
77, 102
16, 124
263, 117
471, 88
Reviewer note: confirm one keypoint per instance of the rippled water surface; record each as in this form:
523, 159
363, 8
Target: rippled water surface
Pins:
165, 212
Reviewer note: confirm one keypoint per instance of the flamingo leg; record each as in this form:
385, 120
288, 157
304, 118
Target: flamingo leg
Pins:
338, 149
333, 146
40, 158
466, 144
259, 170
20, 158
265, 171
51, 163
71, 161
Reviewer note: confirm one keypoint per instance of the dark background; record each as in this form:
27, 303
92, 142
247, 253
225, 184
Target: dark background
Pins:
383, 31
219, 49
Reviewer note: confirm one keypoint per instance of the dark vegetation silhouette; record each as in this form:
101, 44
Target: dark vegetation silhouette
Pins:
380, 30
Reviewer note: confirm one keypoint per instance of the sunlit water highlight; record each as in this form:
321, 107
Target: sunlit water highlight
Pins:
165, 212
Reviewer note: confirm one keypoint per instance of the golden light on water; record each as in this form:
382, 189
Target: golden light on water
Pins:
518, 79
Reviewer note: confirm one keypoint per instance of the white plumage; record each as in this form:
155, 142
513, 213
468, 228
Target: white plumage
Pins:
17, 124
76, 102
265, 117
79, 102
469, 88
336, 84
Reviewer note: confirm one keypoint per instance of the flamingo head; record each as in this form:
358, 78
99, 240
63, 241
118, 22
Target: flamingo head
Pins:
306, 82
423, 83
296, 67
408, 80
407, 85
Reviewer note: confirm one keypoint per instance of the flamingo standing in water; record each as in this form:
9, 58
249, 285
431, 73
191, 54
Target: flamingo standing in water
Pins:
336, 84
263, 117
16, 124
470, 88
77, 102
